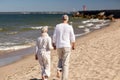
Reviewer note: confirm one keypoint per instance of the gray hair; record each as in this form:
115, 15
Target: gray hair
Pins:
65, 17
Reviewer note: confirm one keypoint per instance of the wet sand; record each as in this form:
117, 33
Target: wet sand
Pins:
13, 56
96, 57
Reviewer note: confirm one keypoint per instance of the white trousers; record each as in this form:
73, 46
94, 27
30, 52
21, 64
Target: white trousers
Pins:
63, 63
44, 61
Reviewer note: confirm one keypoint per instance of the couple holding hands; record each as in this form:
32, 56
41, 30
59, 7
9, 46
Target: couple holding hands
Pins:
63, 40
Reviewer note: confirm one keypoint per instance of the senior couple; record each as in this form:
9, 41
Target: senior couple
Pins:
63, 40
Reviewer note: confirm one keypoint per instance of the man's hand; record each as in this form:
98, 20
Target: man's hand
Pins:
54, 46
73, 46
36, 58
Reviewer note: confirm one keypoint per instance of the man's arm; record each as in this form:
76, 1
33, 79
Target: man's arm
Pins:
72, 38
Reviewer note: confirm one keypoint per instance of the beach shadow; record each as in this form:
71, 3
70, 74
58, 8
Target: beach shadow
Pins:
41, 79
35, 79
55, 79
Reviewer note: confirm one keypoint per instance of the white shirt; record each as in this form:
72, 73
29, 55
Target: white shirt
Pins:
63, 35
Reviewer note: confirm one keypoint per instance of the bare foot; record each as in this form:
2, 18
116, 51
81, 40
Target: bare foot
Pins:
58, 74
44, 77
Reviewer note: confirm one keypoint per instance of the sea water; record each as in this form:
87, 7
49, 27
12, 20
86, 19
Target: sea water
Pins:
22, 29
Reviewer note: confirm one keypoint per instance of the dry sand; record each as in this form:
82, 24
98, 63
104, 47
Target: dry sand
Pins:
96, 57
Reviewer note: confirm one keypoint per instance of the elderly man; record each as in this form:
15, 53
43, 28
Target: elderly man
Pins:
63, 40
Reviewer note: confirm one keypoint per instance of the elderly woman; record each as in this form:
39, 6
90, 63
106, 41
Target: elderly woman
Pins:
42, 54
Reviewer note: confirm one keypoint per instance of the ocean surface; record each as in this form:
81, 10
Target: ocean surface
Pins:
19, 31
22, 29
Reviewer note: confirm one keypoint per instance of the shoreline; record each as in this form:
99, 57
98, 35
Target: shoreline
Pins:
96, 58
14, 56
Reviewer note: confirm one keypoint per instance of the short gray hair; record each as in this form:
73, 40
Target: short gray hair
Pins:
65, 17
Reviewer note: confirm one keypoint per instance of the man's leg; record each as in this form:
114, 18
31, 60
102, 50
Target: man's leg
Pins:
60, 57
65, 64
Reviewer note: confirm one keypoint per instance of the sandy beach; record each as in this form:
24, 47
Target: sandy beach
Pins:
96, 57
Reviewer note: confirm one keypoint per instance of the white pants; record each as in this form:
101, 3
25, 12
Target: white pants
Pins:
44, 61
63, 63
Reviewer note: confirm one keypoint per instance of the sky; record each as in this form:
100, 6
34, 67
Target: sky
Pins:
56, 5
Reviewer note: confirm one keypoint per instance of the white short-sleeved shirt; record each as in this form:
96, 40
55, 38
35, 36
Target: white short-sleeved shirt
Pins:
63, 35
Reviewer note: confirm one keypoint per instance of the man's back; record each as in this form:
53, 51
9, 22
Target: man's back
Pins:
63, 39
63, 35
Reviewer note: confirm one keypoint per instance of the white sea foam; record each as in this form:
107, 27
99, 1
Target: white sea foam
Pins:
14, 47
81, 26
96, 27
87, 30
89, 24
102, 24
84, 22
94, 21
107, 21
78, 35
8, 43
39, 27
11, 33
